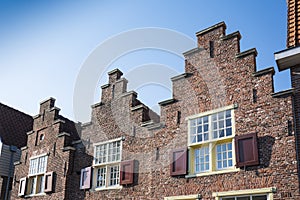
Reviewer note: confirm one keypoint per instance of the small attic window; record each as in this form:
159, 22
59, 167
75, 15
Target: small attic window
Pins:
42, 137
113, 91
211, 49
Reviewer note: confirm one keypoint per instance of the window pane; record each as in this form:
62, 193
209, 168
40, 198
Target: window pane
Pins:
228, 122
205, 136
243, 198
193, 139
228, 113
221, 133
114, 175
214, 117
205, 128
228, 131
205, 119
193, 130
40, 184
215, 134
219, 164
199, 138
230, 163
101, 177
221, 124
202, 159
199, 129
261, 197
229, 146
193, 122
221, 115
199, 121
215, 126
32, 185
224, 155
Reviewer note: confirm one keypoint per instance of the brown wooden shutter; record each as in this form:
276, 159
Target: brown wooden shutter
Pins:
178, 162
48, 183
85, 178
22, 186
127, 172
246, 150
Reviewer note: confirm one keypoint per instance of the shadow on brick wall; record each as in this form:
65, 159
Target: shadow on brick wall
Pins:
265, 146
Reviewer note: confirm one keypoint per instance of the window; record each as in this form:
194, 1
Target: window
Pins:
211, 141
107, 159
250, 194
247, 197
36, 178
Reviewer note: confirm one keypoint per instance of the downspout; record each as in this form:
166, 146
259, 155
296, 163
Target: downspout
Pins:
13, 150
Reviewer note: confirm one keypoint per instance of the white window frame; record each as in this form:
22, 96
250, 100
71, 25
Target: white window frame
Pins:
212, 144
249, 192
107, 165
36, 177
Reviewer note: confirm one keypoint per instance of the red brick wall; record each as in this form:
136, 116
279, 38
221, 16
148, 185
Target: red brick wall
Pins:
59, 133
227, 78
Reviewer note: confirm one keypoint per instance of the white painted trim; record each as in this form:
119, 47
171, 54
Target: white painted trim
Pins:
108, 141
33, 157
245, 192
210, 112
288, 53
193, 196
224, 171
116, 187
35, 195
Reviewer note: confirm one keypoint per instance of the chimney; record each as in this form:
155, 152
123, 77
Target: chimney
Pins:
293, 28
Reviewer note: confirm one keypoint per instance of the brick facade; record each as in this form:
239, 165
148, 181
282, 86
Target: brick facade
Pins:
52, 135
217, 75
227, 78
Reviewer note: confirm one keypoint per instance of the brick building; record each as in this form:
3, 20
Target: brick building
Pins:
13, 128
224, 135
46, 164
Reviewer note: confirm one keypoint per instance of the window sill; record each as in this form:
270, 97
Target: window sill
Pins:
192, 145
35, 195
117, 187
212, 173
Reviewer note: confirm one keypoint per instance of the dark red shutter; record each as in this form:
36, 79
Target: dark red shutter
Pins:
246, 150
48, 183
22, 186
178, 162
85, 178
126, 172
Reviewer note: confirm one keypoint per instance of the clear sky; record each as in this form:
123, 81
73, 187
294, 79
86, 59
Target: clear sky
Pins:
44, 44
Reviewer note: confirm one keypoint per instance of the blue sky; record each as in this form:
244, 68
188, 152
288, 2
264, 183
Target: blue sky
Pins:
44, 44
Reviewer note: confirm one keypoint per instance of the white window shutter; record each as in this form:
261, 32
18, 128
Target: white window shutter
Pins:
22, 186
85, 178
